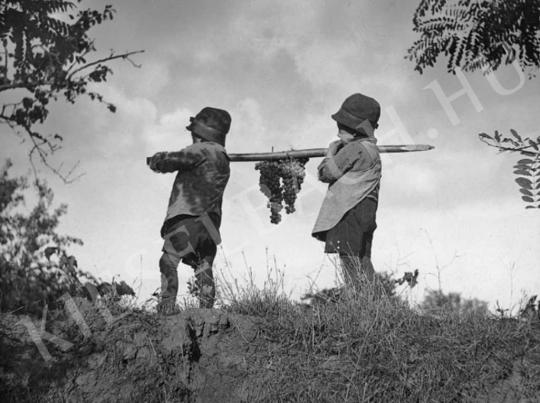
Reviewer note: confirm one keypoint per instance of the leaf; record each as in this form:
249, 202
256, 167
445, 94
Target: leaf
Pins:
497, 136
524, 182
522, 172
533, 145
527, 199
485, 136
27, 102
525, 161
516, 135
526, 192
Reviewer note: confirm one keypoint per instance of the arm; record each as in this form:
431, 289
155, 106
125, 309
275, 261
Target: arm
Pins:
338, 161
183, 160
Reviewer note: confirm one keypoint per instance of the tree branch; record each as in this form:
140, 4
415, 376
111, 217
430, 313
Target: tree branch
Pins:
39, 142
20, 84
124, 56
75, 63
503, 148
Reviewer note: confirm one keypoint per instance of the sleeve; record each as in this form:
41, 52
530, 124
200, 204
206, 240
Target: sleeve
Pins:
183, 160
334, 167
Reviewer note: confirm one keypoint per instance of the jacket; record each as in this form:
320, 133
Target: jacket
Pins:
203, 172
353, 174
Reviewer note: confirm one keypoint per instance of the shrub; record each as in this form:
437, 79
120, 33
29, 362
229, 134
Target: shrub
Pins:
35, 267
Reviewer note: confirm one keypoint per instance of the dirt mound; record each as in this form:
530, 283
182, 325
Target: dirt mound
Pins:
333, 351
195, 356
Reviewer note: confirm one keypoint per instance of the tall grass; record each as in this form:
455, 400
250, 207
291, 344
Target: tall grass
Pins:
249, 299
368, 345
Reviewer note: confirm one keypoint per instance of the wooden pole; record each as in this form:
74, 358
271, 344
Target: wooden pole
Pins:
318, 152
321, 152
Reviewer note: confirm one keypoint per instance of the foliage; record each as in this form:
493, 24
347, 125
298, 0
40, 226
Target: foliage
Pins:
477, 34
527, 170
485, 35
437, 302
47, 53
30, 275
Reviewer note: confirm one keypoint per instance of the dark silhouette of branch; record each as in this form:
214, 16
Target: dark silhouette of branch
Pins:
513, 149
43, 156
44, 55
125, 56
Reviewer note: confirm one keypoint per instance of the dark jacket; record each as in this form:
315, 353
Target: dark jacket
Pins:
203, 173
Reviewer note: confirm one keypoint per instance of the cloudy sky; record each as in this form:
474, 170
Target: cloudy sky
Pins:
281, 68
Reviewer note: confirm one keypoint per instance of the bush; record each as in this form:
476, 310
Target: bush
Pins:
437, 302
35, 267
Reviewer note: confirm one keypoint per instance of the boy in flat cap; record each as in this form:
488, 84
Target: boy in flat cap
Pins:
191, 226
352, 168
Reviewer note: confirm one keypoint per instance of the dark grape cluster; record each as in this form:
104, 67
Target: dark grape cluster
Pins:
280, 181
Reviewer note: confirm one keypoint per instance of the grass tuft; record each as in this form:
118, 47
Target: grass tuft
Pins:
366, 344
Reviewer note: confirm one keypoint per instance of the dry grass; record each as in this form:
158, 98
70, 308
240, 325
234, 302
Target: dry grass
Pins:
363, 345
367, 345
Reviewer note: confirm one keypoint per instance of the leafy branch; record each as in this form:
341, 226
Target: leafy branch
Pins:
482, 35
46, 57
527, 170
477, 34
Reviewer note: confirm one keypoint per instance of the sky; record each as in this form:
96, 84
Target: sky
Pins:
281, 68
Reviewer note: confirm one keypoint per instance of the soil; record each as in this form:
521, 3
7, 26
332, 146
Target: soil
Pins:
198, 355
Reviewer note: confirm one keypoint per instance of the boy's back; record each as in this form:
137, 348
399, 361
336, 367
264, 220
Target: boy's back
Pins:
198, 190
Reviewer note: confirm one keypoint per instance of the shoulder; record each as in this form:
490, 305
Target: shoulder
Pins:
351, 149
209, 149
365, 147
202, 148
193, 148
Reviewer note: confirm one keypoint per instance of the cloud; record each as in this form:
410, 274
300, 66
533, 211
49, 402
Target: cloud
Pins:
249, 131
168, 131
282, 68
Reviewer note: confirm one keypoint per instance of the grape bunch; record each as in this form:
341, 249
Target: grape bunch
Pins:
280, 181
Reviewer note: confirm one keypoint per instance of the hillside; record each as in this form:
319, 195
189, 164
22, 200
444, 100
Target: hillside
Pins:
262, 347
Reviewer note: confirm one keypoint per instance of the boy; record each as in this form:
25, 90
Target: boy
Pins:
191, 226
352, 168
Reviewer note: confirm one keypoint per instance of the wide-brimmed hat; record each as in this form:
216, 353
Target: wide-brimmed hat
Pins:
357, 112
211, 124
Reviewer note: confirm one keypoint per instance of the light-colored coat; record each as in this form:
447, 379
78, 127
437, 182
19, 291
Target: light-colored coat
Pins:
353, 174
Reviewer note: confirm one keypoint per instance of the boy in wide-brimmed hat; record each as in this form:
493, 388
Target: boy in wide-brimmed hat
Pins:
352, 168
191, 226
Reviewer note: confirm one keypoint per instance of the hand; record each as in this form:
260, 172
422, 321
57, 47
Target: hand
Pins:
334, 147
155, 160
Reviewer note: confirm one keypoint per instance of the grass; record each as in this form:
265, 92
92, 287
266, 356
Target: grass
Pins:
368, 345
346, 345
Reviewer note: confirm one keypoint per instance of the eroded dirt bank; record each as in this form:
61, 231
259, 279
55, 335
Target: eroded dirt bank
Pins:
335, 352
194, 356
